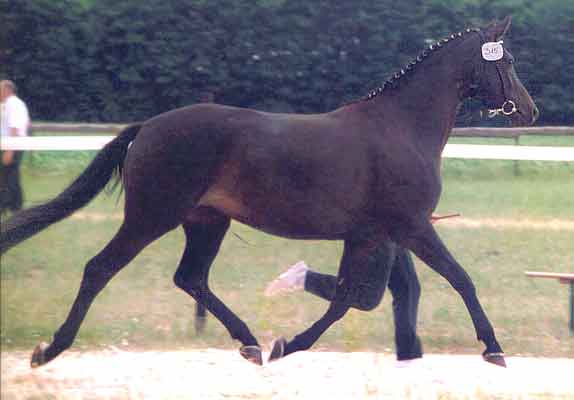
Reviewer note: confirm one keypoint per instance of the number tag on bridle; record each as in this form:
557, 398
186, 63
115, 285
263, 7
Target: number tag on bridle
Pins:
492, 51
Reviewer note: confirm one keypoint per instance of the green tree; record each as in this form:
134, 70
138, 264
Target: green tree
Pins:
122, 61
43, 39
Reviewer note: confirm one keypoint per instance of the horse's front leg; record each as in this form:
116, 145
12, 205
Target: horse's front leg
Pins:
363, 276
426, 244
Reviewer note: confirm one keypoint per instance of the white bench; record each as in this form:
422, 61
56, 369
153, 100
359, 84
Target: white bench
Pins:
564, 278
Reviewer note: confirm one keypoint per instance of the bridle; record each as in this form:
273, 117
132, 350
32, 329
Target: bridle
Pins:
509, 106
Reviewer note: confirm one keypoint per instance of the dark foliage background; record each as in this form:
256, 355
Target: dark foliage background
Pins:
127, 60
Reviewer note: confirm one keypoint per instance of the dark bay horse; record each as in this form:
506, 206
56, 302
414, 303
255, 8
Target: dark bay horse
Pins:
367, 173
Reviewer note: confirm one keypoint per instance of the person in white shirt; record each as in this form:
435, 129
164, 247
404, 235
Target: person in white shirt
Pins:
15, 121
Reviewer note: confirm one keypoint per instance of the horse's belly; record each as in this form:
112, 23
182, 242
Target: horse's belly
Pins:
293, 231
278, 217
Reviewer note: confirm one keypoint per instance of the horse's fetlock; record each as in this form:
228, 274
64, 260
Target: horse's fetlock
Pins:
239, 331
300, 343
64, 340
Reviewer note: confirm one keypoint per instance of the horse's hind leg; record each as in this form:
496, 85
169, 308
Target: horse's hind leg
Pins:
204, 238
361, 282
127, 243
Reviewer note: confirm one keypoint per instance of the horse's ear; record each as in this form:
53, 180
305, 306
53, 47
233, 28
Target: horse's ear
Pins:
496, 30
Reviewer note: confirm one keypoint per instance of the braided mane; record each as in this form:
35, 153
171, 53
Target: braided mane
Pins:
393, 79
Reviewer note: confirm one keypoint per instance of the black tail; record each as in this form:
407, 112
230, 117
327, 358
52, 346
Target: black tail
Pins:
95, 177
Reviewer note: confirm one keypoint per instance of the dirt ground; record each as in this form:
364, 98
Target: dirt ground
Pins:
497, 223
222, 374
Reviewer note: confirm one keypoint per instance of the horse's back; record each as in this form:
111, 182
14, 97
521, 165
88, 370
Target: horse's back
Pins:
288, 174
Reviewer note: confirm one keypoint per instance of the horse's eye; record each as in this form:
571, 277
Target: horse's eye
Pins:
511, 61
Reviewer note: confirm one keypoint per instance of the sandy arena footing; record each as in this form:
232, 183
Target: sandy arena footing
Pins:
223, 374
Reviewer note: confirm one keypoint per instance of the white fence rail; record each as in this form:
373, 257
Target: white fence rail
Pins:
54, 142
504, 152
488, 152
110, 129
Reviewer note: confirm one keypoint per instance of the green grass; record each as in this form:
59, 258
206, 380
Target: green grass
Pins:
141, 308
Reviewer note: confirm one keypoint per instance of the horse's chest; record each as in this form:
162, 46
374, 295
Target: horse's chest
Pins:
415, 186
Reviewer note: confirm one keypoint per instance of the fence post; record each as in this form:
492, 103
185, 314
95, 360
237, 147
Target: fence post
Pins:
571, 321
516, 165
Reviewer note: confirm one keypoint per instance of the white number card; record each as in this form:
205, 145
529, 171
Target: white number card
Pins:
492, 51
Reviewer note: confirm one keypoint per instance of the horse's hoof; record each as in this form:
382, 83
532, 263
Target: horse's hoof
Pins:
495, 358
252, 353
278, 349
38, 357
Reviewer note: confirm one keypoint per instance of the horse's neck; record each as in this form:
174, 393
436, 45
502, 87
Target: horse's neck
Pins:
431, 99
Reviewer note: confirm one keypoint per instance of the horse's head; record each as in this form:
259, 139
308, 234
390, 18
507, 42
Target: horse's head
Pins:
495, 81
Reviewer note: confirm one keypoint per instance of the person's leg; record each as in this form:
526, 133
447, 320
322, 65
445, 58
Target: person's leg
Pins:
13, 189
3, 189
405, 289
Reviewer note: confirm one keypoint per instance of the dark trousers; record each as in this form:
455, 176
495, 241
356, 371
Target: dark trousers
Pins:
405, 289
11, 197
